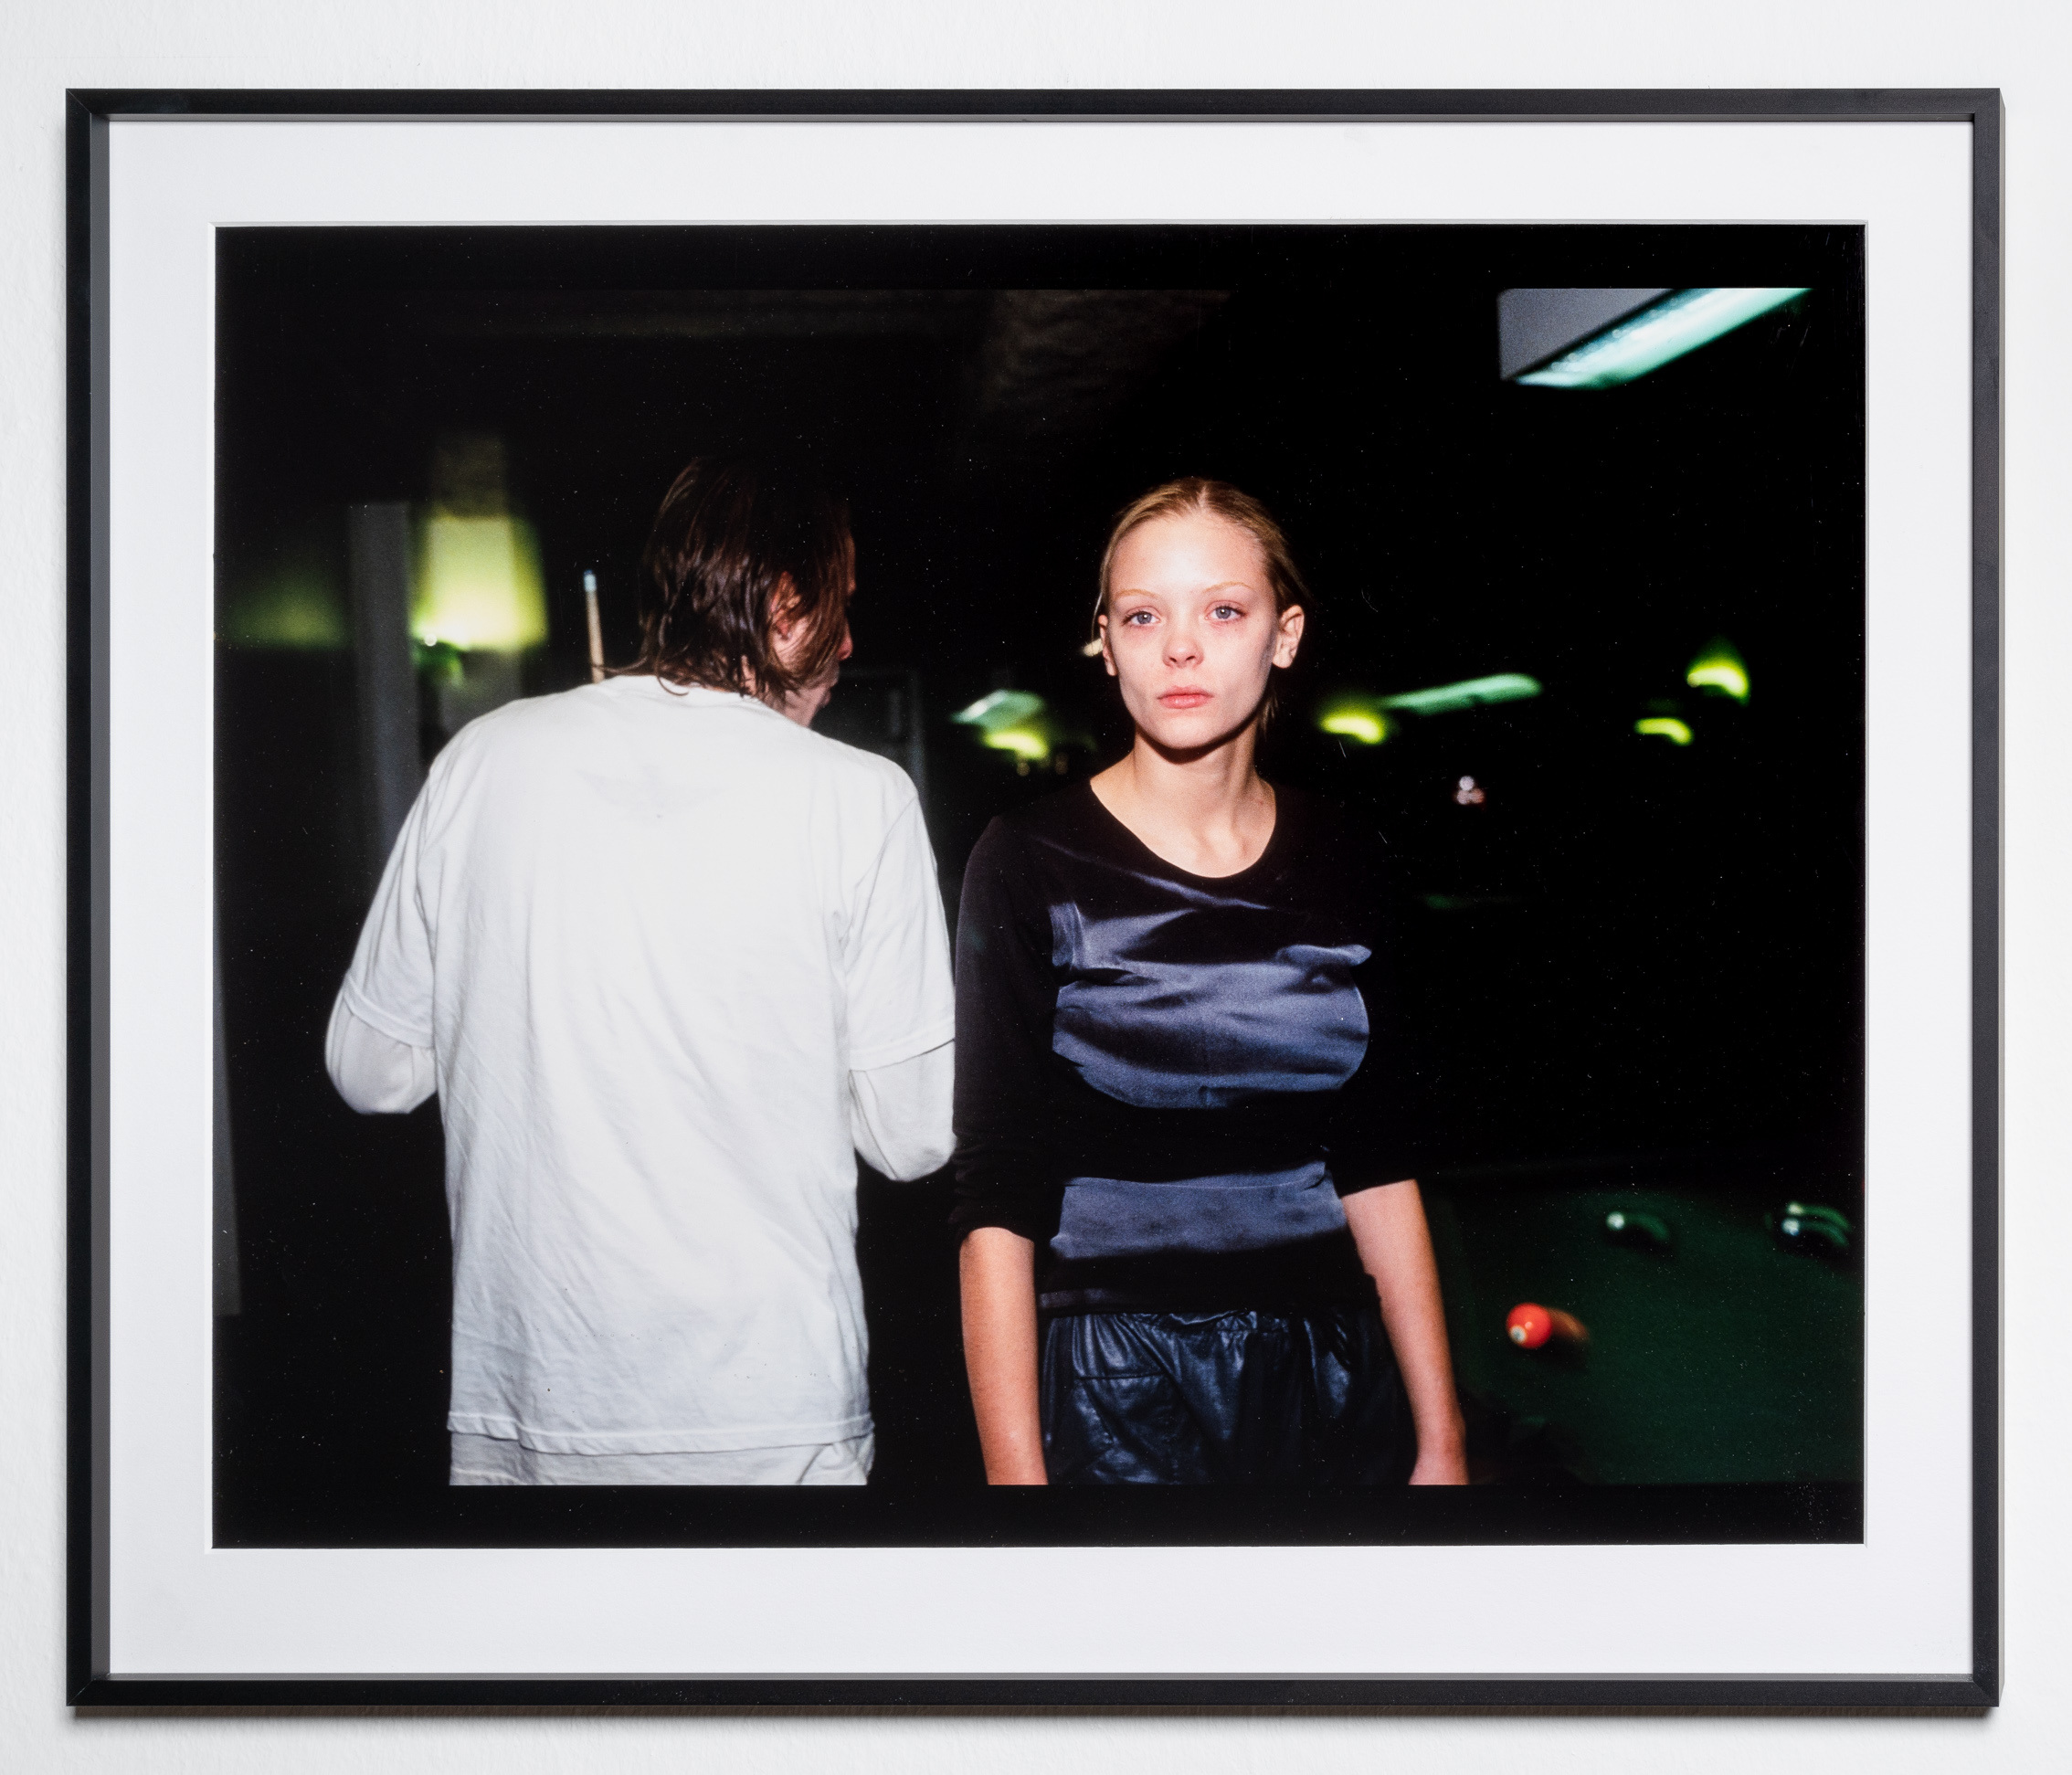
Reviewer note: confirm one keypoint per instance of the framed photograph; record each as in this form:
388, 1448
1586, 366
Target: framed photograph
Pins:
1644, 636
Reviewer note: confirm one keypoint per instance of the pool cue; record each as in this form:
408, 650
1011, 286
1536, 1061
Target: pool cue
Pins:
596, 629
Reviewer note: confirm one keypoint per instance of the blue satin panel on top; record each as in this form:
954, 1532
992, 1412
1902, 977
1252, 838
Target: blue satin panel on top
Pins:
1161, 1030
1206, 1005
1109, 1217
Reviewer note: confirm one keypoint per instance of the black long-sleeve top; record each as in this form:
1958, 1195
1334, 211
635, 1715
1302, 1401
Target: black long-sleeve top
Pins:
1167, 1080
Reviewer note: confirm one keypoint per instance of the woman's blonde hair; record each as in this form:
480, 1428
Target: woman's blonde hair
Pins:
1216, 499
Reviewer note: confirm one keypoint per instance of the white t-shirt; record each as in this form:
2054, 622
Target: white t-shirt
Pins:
648, 930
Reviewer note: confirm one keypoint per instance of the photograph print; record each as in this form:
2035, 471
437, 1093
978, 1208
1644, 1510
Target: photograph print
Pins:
1042, 883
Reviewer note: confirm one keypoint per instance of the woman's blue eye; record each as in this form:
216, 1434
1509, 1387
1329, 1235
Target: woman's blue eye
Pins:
1138, 617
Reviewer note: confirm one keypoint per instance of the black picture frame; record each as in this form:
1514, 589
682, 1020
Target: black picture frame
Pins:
88, 1683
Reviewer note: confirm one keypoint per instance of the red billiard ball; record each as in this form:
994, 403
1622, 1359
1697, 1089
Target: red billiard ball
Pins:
1529, 1326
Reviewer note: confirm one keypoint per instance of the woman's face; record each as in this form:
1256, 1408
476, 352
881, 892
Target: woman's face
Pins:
1190, 630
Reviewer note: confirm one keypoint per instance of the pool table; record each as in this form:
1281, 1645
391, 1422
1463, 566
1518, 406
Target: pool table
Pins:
1729, 1356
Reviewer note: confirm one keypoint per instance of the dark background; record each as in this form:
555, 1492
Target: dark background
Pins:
1637, 967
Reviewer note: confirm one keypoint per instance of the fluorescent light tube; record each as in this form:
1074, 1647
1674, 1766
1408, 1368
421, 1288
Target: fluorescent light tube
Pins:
1656, 336
1505, 687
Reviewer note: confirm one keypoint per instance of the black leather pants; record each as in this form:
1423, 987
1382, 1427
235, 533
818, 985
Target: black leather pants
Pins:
1204, 1398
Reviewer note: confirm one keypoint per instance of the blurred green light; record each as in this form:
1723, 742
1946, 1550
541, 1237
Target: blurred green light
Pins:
1020, 724
1001, 709
1719, 668
1471, 693
479, 584
1666, 726
299, 611
1023, 742
1355, 719
1657, 335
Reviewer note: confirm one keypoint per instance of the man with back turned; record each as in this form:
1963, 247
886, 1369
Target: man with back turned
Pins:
667, 956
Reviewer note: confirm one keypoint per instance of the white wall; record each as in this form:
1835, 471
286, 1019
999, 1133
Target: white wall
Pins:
2024, 48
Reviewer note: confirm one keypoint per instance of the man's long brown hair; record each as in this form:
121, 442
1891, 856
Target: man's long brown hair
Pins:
730, 532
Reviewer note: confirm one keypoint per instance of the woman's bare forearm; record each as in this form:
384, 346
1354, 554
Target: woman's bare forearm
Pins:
998, 1272
1395, 1246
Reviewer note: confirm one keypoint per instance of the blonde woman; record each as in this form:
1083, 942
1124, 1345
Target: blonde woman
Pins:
1194, 1252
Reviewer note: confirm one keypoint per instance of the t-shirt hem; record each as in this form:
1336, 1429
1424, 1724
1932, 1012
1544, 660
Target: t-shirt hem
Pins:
1030, 1222
395, 1028
889, 1054
1379, 1178
657, 1442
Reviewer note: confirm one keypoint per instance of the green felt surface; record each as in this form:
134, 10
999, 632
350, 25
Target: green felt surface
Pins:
1724, 1359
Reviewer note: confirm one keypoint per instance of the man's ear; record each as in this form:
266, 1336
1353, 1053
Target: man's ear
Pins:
784, 607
